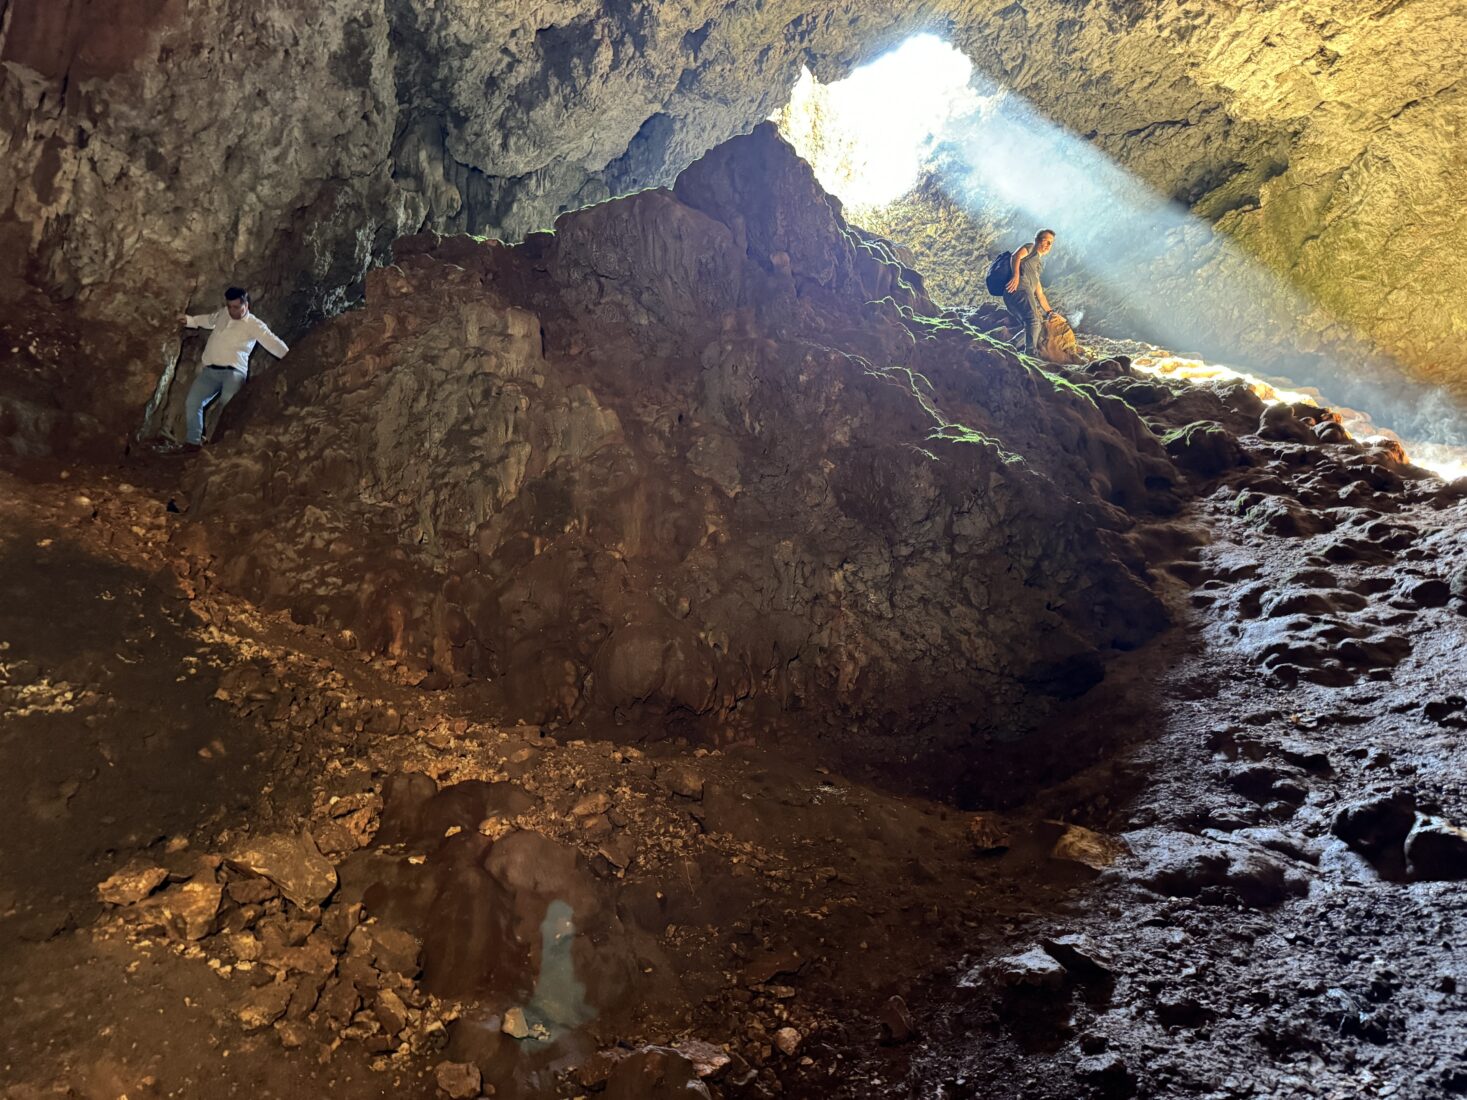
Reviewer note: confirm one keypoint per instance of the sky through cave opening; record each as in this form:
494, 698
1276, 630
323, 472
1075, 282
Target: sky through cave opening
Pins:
868, 136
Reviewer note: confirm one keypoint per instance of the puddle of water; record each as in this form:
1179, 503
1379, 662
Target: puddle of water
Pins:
559, 1000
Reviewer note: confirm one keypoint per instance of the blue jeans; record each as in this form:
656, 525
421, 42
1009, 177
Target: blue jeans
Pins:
213, 384
1025, 308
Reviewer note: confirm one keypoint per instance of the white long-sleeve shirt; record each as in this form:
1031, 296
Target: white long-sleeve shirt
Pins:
232, 341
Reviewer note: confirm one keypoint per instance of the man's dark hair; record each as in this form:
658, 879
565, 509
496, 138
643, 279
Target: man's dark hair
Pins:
1043, 233
235, 293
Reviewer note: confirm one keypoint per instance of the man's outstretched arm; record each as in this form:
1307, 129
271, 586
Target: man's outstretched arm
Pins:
198, 320
270, 342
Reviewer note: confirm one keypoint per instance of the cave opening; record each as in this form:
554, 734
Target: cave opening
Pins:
928, 151
868, 135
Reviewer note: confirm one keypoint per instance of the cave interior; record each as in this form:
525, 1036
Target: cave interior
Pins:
647, 621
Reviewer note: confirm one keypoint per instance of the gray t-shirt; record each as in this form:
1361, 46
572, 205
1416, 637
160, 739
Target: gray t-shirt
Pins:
1029, 272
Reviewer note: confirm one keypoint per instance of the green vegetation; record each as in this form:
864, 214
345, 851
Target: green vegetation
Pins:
946, 431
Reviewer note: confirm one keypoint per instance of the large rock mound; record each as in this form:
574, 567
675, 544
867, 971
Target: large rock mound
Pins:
696, 459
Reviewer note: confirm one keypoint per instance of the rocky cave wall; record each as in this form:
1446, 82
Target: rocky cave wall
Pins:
693, 462
153, 155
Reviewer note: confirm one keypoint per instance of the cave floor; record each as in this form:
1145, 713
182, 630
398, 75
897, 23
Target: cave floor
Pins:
1210, 929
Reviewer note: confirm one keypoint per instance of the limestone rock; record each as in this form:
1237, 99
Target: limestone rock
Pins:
681, 779
131, 884
592, 805
250, 891
787, 1041
390, 1011
459, 1080
1081, 845
264, 1005
620, 850
515, 1024
292, 863
708, 1058
394, 950
192, 908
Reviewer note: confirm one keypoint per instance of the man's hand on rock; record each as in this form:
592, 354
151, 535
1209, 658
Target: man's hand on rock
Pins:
183, 318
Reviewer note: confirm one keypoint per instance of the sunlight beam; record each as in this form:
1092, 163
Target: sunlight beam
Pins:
1165, 275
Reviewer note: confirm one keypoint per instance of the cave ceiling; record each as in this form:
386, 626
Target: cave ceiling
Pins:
171, 147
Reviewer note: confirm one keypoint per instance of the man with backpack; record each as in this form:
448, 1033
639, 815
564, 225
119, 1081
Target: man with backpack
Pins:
1022, 292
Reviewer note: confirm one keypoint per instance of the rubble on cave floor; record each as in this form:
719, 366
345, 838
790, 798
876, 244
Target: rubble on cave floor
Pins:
726, 888
1265, 859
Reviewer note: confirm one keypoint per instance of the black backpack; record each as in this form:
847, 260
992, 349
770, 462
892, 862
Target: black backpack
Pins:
999, 274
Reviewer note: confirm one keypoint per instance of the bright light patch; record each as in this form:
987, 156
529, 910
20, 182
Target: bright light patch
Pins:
1444, 460
867, 136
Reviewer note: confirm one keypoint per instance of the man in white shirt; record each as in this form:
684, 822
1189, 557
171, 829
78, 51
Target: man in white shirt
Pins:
235, 333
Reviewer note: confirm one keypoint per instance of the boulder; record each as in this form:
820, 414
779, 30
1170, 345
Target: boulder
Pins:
1215, 865
1377, 823
1436, 849
192, 908
681, 779
1204, 448
1033, 970
131, 884
1078, 844
1278, 423
1078, 954
264, 1005
691, 557
292, 862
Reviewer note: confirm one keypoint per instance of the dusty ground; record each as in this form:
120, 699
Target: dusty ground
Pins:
1220, 929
